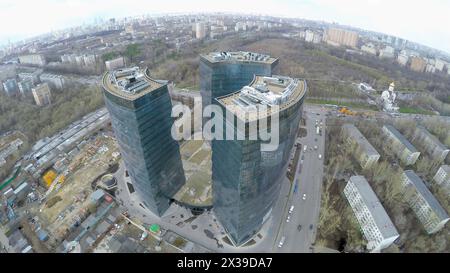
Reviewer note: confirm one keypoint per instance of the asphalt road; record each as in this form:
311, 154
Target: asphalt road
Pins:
306, 212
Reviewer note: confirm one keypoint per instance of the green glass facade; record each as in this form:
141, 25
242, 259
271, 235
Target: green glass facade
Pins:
246, 180
142, 127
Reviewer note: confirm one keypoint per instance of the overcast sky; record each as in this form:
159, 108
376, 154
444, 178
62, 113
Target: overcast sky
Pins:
421, 21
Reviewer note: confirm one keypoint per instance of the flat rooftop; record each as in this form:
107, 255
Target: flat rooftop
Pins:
130, 83
401, 138
272, 91
356, 135
373, 204
446, 168
423, 191
238, 56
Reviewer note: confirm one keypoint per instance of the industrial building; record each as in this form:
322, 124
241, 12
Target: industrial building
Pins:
377, 227
433, 146
246, 179
442, 177
41, 94
140, 110
222, 73
427, 209
404, 150
365, 153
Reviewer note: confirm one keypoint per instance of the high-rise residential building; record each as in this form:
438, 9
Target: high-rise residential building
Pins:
41, 94
433, 146
442, 177
55, 81
224, 72
25, 86
200, 30
427, 209
387, 52
377, 227
404, 150
417, 64
140, 110
246, 177
439, 64
365, 153
115, 63
10, 87
402, 59
33, 59
341, 37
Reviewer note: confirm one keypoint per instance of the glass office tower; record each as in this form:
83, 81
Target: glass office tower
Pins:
246, 179
140, 110
222, 73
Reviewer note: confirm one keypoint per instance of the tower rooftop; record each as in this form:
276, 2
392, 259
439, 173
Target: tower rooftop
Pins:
272, 91
130, 83
238, 56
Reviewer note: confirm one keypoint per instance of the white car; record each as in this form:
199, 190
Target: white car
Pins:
281, 243
320, 156
304, 196
288, 218
291, 209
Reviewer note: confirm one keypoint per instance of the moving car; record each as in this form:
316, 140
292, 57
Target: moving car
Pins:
288, 218
311, 226
291, 209
299, 227
304, 196
281, 243
320, 156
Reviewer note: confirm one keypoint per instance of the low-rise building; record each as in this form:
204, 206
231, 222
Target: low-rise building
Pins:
377, 227
387, 52
427, 209
55, 81
442, 177
369, 48
365, 152
404, 150
41, 94
433, 146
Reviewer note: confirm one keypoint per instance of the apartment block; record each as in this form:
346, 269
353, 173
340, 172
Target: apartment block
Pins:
442, 177
433, 146
404, 150
341, 37
41, 94
366, 153
427, 209
377, 227
417, 64
33, 59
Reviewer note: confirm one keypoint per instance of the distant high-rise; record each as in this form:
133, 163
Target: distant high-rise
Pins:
41, 94
140, 110
341, 37
200, 30
417, 64
222, 73
247, 179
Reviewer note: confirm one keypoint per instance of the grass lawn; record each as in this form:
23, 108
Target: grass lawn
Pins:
415, 110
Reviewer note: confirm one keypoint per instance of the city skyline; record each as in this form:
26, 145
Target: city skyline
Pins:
398, 18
